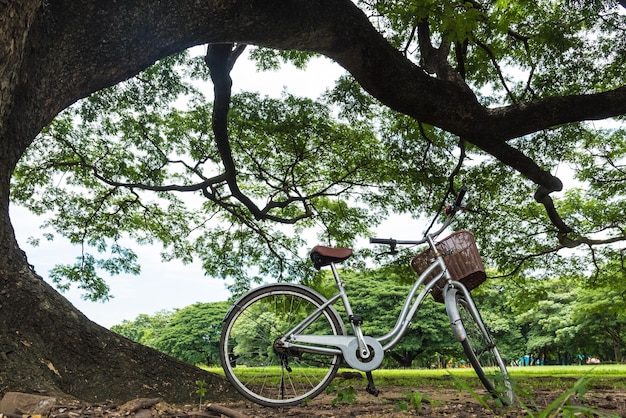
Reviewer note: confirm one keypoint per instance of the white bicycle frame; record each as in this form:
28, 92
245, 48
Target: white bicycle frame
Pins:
348, 346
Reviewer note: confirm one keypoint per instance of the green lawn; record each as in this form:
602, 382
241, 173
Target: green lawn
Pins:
605, 376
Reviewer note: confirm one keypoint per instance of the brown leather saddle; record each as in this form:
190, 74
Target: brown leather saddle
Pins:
322, 256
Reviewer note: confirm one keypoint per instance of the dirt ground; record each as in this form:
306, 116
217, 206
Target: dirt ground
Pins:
392, 402
395, 402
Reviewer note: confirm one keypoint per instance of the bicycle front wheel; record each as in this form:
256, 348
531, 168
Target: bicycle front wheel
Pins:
251, 353
478, 345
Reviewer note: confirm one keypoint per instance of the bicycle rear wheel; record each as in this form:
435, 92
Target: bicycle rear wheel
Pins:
478, 345
254, 360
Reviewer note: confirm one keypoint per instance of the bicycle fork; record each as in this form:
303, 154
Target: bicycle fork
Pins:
455, 321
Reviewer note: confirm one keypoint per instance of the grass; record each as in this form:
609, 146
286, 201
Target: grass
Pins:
603, 376
609, 376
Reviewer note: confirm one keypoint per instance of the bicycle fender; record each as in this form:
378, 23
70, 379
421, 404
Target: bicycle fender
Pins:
453, 313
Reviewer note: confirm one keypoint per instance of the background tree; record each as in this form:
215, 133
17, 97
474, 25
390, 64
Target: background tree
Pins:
600, 312
190, 334
550, 325
145, 329
561, 321
193, 334
568, 319
510, 83
496, 300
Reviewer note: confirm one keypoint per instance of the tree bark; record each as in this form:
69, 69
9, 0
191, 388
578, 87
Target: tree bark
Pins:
48, 347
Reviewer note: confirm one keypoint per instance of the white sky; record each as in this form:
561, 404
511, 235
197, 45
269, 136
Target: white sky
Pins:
172, 285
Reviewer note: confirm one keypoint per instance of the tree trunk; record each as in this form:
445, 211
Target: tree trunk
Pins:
47, 346
405, 358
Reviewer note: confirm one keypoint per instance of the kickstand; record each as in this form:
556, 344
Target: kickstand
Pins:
371, 388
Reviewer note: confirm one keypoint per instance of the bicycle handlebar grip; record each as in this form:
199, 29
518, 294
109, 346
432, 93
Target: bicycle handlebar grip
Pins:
382, 241
460, 197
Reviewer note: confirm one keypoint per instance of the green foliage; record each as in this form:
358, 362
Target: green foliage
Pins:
193, 333
344, 393
508, 52
190, 334
557, 322
496, 300
248, 331
534, 40
271, 59
84, 272
201, 391
145, 329
138, 161
416, 400
567, 320
115, 166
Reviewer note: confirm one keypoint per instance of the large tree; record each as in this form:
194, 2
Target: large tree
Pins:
455, 66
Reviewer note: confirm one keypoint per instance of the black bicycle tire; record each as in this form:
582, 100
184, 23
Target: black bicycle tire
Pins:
255, 296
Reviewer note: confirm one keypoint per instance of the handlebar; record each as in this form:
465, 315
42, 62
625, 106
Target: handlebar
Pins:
394, 242
450, 211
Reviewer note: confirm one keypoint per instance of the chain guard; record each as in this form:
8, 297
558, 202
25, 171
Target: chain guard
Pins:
351, 356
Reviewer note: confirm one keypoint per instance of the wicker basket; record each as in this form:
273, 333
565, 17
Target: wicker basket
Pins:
461, 257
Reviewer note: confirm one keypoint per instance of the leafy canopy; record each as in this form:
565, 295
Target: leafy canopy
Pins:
237, 184
128, 162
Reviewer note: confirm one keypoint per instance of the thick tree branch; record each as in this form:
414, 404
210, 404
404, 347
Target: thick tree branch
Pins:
220, 59
543, 196
336, 28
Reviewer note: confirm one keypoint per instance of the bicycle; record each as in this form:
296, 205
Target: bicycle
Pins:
283, 343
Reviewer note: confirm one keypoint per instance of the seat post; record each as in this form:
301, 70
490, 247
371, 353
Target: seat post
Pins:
333, 268
342, 290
